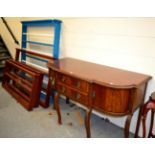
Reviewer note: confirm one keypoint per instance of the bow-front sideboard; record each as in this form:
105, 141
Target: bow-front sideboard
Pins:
108, 90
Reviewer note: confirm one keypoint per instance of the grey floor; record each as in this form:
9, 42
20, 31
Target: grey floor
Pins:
16, 122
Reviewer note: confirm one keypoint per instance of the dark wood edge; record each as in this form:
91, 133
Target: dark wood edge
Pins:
69, 74
20, 50
95, 81
23, 102
16, 79
112, 114
37, 71
21, 67
113, 86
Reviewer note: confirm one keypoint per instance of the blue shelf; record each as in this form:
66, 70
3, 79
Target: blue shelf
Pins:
45, 23
36, 58
42, 22
39, 43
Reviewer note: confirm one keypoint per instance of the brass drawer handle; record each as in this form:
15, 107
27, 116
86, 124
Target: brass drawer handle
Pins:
63, 78
63, 89
53, 82
93, 94
78, 96
78, 84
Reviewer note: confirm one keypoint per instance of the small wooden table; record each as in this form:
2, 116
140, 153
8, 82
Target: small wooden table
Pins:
105, 89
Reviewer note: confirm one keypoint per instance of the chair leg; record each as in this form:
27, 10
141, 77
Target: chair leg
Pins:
138, 122
150, 105
151, 125
144, 115
144, 126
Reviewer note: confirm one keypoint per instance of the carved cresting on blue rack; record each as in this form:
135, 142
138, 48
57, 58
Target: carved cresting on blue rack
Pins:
53, 23
56, 24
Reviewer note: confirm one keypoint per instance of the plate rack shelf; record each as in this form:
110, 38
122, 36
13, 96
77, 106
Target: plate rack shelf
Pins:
54, 45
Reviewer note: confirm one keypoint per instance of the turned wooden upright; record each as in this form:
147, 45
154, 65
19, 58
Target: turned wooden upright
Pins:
150, 105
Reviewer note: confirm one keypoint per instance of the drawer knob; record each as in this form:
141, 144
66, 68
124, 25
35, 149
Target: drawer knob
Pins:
78, 84
63, 79
63, 89
93, 94
53, 82
78, 96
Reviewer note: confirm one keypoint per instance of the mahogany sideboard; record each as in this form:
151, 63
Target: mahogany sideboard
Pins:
102, 88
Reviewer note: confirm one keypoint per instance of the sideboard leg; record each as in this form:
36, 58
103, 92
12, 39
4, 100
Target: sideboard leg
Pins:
56, 106
127, 126
138, 122
87, 122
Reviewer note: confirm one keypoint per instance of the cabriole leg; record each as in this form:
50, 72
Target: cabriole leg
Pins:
56, 106
87, 122
127, 126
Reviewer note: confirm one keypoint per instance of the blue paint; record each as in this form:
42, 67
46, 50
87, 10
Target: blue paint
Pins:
43, 96
24, 37
41, 22
37, 58
56, 40
39, 43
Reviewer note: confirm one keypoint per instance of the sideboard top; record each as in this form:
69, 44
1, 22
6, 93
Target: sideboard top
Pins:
99, 73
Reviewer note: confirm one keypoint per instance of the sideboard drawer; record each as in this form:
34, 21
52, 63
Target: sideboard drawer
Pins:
73, 82
81, 98
72, 94
63, 89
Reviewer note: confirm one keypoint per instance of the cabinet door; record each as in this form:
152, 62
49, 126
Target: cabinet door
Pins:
111, 100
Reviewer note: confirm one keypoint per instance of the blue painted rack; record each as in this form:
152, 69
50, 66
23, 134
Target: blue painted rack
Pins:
42, 23
56, 24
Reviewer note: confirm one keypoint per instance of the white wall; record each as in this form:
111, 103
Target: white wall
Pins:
127, 43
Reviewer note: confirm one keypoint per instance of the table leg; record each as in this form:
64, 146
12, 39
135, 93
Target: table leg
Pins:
127, 126
56, 105
87, 122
